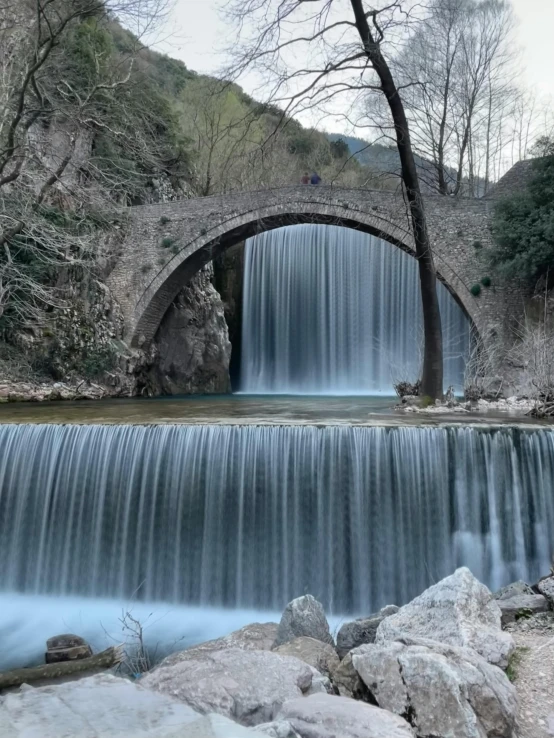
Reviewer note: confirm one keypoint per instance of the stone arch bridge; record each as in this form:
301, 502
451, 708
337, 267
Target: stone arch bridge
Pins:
165, 244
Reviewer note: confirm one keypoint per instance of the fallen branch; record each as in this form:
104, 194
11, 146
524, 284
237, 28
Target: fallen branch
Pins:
104, 660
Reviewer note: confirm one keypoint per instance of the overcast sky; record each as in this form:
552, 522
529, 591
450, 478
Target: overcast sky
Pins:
198, 36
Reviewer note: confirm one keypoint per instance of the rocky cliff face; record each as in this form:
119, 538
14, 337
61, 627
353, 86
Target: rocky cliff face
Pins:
191, 351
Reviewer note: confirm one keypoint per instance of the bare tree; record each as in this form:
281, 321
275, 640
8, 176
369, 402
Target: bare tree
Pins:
48, 113
458, 73
310, 53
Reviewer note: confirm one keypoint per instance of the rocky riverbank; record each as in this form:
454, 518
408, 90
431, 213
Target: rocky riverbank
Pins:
445, 665
56, 391
512, 405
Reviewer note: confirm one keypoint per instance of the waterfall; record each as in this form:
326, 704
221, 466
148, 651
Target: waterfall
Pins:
330, 310
246, 516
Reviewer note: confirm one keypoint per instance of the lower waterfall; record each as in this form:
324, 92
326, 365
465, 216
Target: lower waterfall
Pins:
330, 310
250, 517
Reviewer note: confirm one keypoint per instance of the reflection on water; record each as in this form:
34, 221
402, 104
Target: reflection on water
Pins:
235, 410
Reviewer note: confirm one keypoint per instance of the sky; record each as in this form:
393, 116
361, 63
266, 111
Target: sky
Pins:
197, 35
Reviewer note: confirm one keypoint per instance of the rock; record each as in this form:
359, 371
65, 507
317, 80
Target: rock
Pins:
67, 640
522, 606
348, 682
512, 590
278, 729
66, 647
101, 706
357, 632
246, 686
321, 656
304, 616
191, 347
253, 637
444, 691
458, 611
329, 716
546, 587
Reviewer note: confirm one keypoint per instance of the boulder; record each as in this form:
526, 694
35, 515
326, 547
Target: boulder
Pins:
101, 706
277, 729
246, 686
546, 588
458, 611
321, 656
522, 606
357, 632
513, 590
444, 691
253, 637
304, 616
66, 647
347, 681
329, 716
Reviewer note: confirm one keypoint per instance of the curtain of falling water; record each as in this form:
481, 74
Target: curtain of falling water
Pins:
253, 516
330, 310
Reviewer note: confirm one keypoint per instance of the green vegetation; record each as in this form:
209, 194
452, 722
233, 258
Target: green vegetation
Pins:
486, 281
168, 242
514, 661
523, 227
475, 290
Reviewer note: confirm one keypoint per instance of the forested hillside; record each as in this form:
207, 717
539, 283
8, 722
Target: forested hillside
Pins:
91, 121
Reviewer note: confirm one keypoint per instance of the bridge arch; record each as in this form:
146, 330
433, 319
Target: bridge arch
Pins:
202, 229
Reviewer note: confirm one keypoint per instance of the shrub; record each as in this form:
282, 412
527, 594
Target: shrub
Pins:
164, 220
477, 245
486, 281
145, 268
167, 242
475, 290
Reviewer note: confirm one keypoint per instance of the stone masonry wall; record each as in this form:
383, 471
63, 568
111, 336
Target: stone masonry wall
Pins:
167, 243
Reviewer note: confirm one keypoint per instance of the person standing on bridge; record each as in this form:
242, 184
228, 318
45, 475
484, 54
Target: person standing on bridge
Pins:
305, 178
315, 179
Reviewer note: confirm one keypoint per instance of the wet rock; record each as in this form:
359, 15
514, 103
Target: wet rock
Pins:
329, 716
357, 632
67, 647
522, 606
444, 691
253, 637
304, 616
457, 611
246, 686
321, 656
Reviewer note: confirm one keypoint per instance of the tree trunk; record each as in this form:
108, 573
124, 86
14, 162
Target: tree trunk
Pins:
432, 372
104, 660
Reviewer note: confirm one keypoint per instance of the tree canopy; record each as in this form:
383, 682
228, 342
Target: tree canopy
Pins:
523, 226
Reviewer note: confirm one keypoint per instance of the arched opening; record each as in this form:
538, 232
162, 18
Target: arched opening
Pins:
363, 351
329, 310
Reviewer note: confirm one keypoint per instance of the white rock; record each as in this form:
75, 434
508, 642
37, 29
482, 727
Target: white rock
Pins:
101, 706
458, 611
253, 637
329, 716
246, 686
277, 729
444, 691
